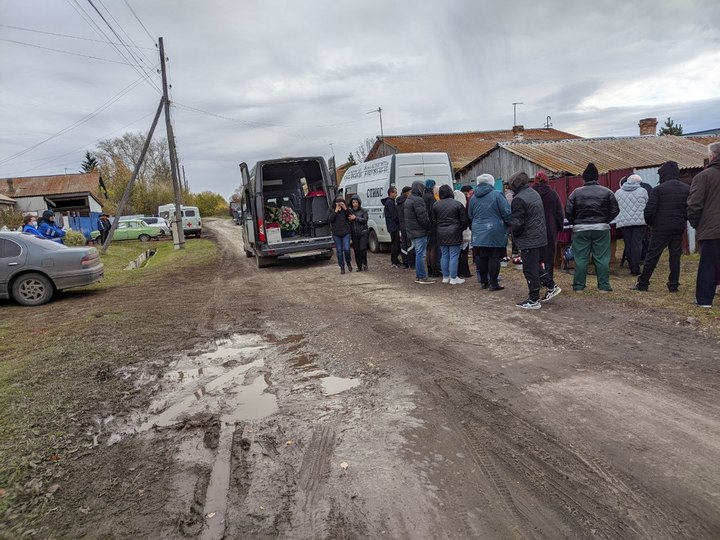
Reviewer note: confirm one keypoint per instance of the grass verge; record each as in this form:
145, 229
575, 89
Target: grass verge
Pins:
58, 365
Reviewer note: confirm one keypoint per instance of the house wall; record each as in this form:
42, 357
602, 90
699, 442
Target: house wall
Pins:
501, 164
649, 175
31, 204
94, 205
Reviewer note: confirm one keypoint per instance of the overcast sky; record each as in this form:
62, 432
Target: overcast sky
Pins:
291, 78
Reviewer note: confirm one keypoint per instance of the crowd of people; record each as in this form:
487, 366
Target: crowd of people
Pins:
435, 230
45, 227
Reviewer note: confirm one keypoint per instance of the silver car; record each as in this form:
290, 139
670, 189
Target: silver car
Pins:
32, 268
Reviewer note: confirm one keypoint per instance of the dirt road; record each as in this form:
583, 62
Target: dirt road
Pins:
365, 406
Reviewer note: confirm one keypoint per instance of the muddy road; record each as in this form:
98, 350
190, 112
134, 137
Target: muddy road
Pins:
365, 406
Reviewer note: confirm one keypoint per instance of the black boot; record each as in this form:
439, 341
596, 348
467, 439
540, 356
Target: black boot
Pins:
342, 271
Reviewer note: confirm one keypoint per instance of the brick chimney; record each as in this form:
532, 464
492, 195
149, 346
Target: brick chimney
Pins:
11, 186
648, 126
518, 133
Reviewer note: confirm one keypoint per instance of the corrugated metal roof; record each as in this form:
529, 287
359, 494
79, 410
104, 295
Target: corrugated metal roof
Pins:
61, 184
703, 139
609, 154
6, 200
465, 147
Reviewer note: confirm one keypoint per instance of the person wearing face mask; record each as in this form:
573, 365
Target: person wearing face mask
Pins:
30, 226
49, 229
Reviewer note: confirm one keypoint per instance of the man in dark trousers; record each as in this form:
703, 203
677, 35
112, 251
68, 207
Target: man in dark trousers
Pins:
433, 253
392, 222
554, 219
666, 214
703, 208
406, 249
104, 226
528, 227
419, 226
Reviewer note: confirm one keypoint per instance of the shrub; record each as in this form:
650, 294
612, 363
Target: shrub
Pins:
74, 238
12, 219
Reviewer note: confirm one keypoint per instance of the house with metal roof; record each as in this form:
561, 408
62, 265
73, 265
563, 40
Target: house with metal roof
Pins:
643, 154
75, 198
464, 147
6, 203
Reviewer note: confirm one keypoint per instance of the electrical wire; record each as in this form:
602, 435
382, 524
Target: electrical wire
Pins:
138, 20
79, 122
66, 52
66, 36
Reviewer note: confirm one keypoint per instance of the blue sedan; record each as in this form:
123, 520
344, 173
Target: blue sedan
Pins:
32, 268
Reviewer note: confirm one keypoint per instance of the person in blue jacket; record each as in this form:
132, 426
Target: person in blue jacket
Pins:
30, 226
489, 213
49, 229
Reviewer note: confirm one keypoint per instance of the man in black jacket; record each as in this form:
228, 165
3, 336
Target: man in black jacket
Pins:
392, 222
405, 243
590, 209
418, 226
554, 219
666, 214
433, 253
528, 227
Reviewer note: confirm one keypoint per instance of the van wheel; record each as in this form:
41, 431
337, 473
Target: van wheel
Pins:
373, 244
249, 254
32, 290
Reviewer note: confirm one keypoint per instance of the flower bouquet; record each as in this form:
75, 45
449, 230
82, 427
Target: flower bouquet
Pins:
288, 219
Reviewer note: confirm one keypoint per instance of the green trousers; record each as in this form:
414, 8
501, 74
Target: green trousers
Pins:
595, 244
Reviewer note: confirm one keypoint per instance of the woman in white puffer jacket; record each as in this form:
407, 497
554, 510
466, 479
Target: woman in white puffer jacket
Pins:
632, 198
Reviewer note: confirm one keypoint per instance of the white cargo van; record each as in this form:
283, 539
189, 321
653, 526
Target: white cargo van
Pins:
191, 219
370, 181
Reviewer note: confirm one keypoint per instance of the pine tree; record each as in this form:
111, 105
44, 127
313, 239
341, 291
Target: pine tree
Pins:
671, 128
351, 159
90, 164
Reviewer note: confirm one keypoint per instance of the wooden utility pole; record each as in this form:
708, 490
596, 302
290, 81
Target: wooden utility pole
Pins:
128, 188
179, 236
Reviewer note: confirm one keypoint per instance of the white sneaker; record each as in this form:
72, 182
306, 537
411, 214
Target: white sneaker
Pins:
551, 293
446, 280
456, 281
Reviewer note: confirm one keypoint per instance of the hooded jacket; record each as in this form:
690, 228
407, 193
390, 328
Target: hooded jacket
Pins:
339, 222
400, 203
703, 205
358, 226
527, 217
48, 229
29, 229
666, 209
449, 218
631, 199
417, 220
553, 209
392, 218
593, 206
489, 213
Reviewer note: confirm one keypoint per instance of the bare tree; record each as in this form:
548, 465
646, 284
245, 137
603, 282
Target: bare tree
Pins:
362, 151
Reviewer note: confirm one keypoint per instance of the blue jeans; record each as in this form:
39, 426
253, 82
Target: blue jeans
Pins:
449, 258
420, 245
342, 247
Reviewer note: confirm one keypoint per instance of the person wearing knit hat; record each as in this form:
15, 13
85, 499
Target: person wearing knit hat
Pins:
541, 177
666, 214
630, 221
340, 228
590, 209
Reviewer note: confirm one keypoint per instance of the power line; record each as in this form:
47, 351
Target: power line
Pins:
122, 41
77, 123
65, 35
99, 31
138, 20
66, 52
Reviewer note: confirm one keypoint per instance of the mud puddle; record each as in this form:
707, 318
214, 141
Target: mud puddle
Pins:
334, 385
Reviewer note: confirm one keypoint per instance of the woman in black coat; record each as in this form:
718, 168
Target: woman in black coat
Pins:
449, 221
359, 232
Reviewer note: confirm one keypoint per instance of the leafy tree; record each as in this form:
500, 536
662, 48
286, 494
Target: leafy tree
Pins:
210, 204
90, 164
671, 128
351, 159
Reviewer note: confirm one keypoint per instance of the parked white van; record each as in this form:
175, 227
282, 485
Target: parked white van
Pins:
371, 180
191, 219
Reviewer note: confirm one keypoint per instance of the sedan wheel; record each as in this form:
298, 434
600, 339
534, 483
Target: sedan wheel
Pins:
32, 290
144, 238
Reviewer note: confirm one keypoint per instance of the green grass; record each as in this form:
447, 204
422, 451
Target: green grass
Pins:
51, 381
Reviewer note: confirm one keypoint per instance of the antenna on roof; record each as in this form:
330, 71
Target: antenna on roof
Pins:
548, 123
